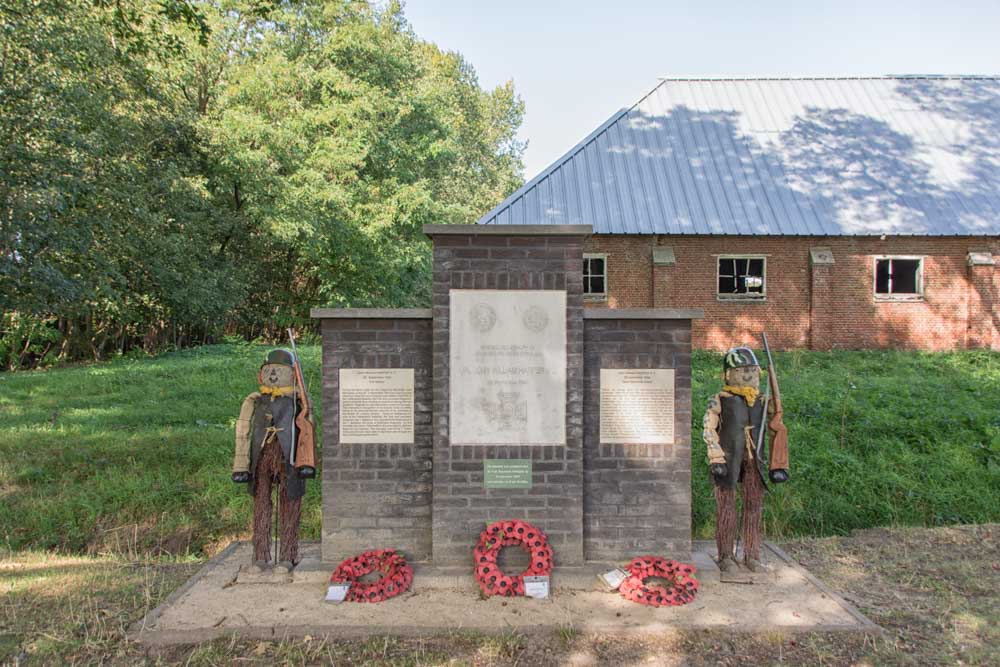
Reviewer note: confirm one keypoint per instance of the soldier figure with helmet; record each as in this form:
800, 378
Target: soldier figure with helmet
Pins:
737, 454
267, 439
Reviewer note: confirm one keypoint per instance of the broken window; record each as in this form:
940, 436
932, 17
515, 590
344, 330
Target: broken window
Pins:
595, 275
741, 277
898, 277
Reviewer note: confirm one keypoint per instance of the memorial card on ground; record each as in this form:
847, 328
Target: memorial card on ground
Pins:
508, 367
376, 405
637, 406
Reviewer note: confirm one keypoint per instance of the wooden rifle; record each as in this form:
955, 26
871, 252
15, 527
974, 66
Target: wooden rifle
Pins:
779, 441
303, 452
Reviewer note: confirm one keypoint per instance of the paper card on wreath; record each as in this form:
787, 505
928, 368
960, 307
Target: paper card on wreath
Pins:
612, 580
336, 593
536, 587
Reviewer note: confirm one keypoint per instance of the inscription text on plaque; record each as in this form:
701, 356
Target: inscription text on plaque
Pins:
637, 406
506, 473
376, 405
508, 367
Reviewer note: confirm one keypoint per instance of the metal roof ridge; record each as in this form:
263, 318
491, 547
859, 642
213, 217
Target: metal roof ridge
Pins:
820, 77
564, 158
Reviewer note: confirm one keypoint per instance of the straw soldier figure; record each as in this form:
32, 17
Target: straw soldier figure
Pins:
738, 457
264, 433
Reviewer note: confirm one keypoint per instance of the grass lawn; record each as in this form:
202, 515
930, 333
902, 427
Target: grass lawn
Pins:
114, 485
132, 457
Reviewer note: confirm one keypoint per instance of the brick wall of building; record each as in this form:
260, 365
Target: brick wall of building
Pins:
461, 506
637, 498
377, 495
829, 307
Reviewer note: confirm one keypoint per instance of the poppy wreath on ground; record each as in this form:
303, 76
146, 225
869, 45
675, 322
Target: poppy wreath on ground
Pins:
396, 575
682, 575
499, 534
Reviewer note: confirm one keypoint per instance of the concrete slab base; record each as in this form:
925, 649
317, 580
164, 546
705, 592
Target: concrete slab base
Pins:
215, 603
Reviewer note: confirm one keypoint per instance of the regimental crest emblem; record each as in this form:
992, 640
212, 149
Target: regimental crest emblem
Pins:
483, 317
535, 319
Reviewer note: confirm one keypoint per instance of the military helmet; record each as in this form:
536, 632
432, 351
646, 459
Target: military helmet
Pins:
281, 356
739, 357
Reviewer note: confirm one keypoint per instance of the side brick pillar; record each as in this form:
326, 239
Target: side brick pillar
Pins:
637, 497
376, 495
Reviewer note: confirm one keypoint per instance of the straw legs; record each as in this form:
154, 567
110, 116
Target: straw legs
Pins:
270, 473
751, 524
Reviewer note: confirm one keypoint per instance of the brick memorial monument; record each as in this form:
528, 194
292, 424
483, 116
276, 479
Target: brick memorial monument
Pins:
507, 399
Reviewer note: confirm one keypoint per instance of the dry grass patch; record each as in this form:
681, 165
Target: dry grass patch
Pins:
934, 591
76, 609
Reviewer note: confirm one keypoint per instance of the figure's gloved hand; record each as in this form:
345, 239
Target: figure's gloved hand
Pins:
306, 472
779, 475
719, 469
241, 477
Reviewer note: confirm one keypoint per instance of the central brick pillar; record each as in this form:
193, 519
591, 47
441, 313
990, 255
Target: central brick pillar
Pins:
535, 257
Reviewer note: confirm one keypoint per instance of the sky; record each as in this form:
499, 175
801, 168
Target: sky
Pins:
576, 63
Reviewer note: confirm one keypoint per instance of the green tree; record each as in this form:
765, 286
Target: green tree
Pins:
171, 170
336, 134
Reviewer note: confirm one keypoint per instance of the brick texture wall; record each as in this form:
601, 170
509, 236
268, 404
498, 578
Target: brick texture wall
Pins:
377, 495
462, 507
637, 498
812, 307
984, 315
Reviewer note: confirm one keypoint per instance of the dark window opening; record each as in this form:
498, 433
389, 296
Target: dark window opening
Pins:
595, 276
894, 276
741, 277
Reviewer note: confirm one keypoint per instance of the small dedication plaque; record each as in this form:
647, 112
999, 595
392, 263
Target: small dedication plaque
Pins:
376, 405
507, 473
507, 367
637, 406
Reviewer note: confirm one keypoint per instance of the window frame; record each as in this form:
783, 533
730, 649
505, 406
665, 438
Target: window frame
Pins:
596, 296
746, 296
905, 296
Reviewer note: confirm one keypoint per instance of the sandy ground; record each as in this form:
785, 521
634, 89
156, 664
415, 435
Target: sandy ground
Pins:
213, 604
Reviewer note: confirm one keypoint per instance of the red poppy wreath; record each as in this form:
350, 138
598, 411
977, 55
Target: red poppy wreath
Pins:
396, 575
491, 579
634, 588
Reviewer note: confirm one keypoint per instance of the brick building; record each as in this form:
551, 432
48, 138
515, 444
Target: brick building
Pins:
833, 213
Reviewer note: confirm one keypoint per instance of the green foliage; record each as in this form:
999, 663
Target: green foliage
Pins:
134, 455
174, 170
875, 439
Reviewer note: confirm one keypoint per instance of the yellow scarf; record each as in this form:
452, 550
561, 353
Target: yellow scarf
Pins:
748, 393
275, 392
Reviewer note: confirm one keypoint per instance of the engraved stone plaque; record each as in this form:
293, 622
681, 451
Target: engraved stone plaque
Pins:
376, 405
508, 367
637, 406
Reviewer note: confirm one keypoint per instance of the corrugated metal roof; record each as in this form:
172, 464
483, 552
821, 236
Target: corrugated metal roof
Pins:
838, 156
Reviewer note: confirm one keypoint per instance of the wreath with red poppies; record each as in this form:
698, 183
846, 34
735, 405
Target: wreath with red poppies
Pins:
634, 588
499, 534
396, 575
